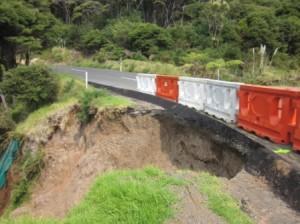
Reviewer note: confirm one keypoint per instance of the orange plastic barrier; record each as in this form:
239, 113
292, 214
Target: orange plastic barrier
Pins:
296, 132
167, 87
268, 111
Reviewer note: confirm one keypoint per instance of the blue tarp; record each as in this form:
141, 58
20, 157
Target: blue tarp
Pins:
7, 160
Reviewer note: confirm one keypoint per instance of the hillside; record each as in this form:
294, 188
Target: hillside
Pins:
254, 40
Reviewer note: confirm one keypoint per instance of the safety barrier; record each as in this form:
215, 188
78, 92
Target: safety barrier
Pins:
146, 83
192, 92
7, 160
268, 111
296, 131
167, 87
221, 99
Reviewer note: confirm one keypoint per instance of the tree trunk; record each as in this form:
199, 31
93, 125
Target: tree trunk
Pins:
27, 58
7, 54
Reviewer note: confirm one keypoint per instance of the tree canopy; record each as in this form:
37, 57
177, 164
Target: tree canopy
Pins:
227, 29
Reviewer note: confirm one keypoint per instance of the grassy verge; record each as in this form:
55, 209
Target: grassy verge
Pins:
221, 202
144, 67
29, 170
71, 91
276, 76
125, 197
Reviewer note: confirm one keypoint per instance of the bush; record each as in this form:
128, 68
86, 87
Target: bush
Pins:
30, 170
29, 88
59, 54
92, 41
138, 56
109, 52
149, 38
85, 103
6, 124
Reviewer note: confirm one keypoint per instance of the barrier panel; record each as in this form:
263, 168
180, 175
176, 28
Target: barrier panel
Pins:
7, 160
192, 92
222, 99
167, 87
146, 83
268, 111
296, 131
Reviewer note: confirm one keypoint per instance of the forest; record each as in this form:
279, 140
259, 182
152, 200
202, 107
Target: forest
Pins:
242, 36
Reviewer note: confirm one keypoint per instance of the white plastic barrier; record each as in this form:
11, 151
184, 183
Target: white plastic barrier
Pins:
192, 92
146, 83
222, 99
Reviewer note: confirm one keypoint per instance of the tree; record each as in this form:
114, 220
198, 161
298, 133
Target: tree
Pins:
215, 12
260, 27
29, 87
87, 12
148, 38
22, 28
92, 41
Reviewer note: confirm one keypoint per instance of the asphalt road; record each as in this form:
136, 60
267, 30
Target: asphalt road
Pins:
124, 80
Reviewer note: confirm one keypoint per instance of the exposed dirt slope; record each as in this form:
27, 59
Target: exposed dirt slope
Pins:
118, 139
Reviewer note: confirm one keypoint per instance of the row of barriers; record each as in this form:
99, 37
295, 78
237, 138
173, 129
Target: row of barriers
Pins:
269, 112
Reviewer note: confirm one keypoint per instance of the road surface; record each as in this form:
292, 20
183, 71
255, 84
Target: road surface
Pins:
124, 80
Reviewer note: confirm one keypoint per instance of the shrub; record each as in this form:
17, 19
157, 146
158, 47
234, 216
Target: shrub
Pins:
149, 38
100, 57
92, 41
109, 52
59, 54
30, 169
31, 86
6, 124
85, 103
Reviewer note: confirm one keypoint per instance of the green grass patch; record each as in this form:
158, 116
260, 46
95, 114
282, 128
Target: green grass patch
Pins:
71, 91
105, 99
39, 115
221, 202
124, 197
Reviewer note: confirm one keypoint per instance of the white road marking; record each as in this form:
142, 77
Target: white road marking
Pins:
128, 78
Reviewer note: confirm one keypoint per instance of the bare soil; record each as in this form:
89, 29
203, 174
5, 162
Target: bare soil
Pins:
122, 139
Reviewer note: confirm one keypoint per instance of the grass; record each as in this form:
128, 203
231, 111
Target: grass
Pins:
41, 114
130, 65
71, 90
28, 170
220, 202
131, 196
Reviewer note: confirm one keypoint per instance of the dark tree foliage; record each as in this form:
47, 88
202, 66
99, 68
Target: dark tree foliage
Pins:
27, 88
231, 28
25, 28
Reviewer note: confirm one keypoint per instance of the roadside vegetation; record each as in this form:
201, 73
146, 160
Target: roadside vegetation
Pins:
220, 202
71, 91
251, 41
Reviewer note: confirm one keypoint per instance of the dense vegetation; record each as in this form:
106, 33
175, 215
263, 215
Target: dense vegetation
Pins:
242, 37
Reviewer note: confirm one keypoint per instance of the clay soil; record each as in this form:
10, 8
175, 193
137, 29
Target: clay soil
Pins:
122, 139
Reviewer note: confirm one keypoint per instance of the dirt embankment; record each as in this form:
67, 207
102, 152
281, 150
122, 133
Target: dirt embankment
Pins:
123, 139
117, 139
